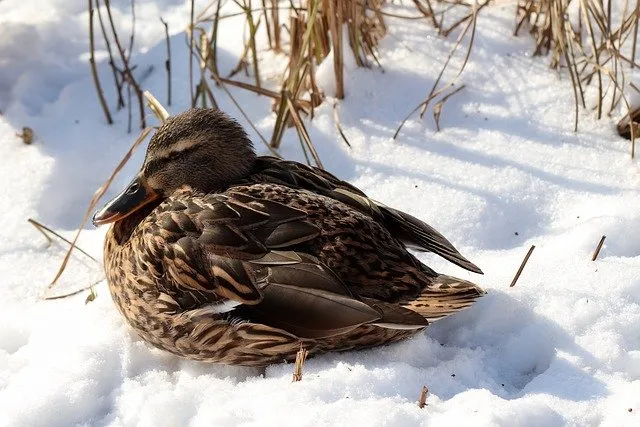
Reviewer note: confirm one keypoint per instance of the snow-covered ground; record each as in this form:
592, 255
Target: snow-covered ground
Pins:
506, 172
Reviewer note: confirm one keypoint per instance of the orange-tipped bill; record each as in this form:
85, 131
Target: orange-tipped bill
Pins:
136, 195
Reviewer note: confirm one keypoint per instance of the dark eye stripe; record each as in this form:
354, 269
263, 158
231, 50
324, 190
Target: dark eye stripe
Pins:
155, 165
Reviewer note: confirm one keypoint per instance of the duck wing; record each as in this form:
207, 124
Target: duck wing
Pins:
230, 255
411, 231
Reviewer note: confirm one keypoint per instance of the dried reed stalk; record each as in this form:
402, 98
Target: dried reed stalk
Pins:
190, 35
167, 62
275, 24
597, 251
336, 119
470, 20
588, 45
301, 356
115, 71
126, 72
524, 262
94, 71
315, 30
422, 402
94, 201
154, 105
46, 231
335, 12
76, 292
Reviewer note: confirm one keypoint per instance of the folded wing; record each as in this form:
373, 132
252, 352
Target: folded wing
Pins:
411, 231
231, 255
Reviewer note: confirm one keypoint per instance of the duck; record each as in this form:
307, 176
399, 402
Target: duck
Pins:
219, 255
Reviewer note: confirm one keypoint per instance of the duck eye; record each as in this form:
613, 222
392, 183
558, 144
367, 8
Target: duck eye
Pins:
133, 188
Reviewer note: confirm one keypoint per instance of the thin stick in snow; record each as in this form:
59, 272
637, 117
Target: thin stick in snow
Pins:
422, 402
524, 262
92, 295
301, 356
597, 251
46, 231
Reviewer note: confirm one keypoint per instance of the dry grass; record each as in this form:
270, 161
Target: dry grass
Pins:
314, 30
301, 357
161, 114
422, 401
522, 265
446, 91
91, 208
121, 67
594, 42
598, 248
308, 32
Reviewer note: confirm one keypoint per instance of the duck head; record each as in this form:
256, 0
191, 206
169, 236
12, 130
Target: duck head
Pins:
202, 148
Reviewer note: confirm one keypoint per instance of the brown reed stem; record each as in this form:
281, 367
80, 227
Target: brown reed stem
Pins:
336, 19
422, 402
214, 41
46, 231
94, 70
437, 108
304, 135
524, 262
167, 62
94, 201
267, 23
301, 356
276, 25
133, 30
597, 251
191, 27
127, 73
72, 293
336, 119
114, 70
635, 35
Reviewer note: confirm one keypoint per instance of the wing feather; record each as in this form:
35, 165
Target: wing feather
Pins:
411, 231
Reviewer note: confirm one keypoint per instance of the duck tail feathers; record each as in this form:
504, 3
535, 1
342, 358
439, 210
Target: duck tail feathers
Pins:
443, 297
418, 235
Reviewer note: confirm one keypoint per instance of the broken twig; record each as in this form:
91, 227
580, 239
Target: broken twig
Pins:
46, 231
597, 251
524, 262
422, 402
301, 356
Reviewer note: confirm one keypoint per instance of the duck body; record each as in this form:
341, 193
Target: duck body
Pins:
281, 257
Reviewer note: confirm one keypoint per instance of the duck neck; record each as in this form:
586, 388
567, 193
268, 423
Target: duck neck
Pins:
123, 228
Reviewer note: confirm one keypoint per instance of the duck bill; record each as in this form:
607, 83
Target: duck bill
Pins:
135, 195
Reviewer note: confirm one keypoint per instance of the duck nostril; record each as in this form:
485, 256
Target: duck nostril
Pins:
133, 188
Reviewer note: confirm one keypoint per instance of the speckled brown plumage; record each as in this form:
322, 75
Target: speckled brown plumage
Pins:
245, 271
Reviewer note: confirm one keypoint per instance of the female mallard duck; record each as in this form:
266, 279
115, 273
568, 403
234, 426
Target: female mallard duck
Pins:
216, 254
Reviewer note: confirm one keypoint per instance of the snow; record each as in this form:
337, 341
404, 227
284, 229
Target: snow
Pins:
506, 172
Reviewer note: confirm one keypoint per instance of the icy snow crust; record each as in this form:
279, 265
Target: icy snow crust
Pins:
506, 172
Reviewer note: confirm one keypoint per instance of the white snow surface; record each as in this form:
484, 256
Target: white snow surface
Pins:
506, 172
